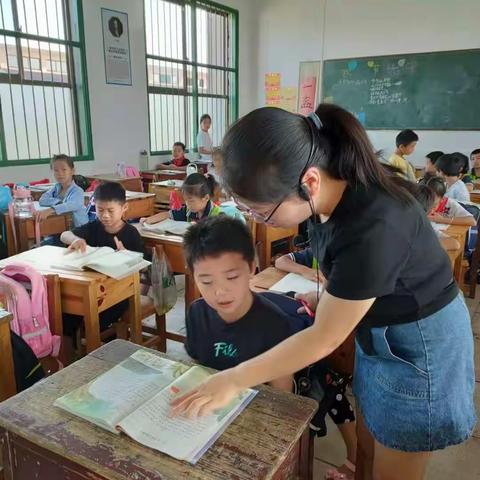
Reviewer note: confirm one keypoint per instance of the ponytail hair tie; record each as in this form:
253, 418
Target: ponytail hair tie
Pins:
316, 120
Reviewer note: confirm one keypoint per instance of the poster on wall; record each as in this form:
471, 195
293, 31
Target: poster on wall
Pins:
288, 99
308, 87
272, 89
116, 45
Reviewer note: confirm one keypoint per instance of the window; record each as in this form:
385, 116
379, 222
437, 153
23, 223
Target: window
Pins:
192, 69
43, 83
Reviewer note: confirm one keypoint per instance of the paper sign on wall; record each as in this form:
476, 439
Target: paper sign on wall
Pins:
307, 95
288, 99
272, 89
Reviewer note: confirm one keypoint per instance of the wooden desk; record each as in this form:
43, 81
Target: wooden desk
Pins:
269, 440
140, 205
475, 196
173, 247
25, 230
89, 293
266, 235
342, 359
8, 387
460, 234
162, 191
133, 184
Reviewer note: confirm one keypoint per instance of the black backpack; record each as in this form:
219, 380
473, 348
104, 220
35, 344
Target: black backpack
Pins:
28, 369
81, 181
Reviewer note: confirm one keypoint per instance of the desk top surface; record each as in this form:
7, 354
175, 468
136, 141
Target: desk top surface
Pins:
253, 447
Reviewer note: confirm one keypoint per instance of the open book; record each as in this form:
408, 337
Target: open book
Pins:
172, 227
134, 397
113, 263
294, 283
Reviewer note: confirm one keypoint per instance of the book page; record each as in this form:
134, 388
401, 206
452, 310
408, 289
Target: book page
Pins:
295, 283
119, 391
438, 227
182, 438
118, 264
173, 227
77, 260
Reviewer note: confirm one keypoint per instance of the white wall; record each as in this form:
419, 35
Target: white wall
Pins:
369, 27
119, 114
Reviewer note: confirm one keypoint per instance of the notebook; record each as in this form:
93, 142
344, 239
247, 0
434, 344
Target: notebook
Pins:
293, 282
438, 227
134, 398
113, 263
172, 227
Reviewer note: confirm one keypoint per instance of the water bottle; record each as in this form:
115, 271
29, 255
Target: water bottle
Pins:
191, 168
22, 202
144, 161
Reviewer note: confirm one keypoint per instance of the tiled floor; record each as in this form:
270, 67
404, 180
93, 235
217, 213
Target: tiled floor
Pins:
454, 463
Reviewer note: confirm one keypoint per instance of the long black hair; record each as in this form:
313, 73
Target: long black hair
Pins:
266, 153
199, 185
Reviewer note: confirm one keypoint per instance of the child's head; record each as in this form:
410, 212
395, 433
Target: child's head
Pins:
220, 253
406, 142
430, 159
205, 122
464, 162
450, 165
438, 187
425, 196
63, 169
217, 159
197, 190
475, 158
110, 203
178, 150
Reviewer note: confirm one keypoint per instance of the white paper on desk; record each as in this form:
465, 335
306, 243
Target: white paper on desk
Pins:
168, 226
170, 183
438, 227
294, 283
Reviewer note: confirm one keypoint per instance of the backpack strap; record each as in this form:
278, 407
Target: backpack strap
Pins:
11, 216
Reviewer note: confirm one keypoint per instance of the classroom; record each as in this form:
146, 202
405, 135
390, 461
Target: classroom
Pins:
239, 239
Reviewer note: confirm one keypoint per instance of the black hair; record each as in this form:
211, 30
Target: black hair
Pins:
434, 156
464, 160
437, 185
217, 235
180, 144
199, 185
425, 196
406, 137
205, 116
61, 157
110, 192
475, 152
450, 164
266, 153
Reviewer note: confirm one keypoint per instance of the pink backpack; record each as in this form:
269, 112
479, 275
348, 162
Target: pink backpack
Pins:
131, 171
29, 308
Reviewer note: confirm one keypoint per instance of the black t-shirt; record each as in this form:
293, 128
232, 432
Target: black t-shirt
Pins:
220, 345
95, 235
375, 246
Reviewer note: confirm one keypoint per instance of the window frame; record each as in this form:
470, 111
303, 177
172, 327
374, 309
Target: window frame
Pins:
68, 44
194, 94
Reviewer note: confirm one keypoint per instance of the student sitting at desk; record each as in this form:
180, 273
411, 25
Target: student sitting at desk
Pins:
475, 161
65, 196
231, 324
445, 209
197, 191
450, 167
303, 263
178, 161
109, 230
406, 141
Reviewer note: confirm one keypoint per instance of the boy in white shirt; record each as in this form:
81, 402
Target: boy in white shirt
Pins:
204, 141
450, 167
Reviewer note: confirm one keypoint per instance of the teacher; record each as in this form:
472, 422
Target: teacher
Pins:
387, 276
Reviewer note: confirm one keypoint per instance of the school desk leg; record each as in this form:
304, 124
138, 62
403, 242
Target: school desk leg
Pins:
306, 455
134, 312
91, 320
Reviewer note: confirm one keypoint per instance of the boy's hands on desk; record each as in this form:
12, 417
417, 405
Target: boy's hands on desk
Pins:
118, 244
41, 215
437, 218
312, 275
78, 245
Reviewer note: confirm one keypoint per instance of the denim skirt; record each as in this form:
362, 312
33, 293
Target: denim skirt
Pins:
414, 383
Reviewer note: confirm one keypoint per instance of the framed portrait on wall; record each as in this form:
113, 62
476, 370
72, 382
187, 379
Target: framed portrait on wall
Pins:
116, 46
308, 87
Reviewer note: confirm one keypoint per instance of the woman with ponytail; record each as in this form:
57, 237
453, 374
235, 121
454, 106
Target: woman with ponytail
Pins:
387, 277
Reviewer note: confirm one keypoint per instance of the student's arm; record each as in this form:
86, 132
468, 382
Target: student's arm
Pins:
286, 264
74, 242
449, 243
47, 199
75, 201
170, 166
284, 383
462, 221
158, 217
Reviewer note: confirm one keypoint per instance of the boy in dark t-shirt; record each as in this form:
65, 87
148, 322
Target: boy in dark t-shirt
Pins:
109, 230
230, 324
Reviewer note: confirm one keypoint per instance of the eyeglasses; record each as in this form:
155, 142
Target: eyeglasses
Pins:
260, 217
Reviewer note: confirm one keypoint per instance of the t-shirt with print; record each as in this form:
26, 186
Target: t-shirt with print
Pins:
95, 235
458, 191
204, 140
452, 209
217, 344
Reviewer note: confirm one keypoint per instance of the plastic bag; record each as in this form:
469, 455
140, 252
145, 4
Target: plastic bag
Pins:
164, 290
5, 197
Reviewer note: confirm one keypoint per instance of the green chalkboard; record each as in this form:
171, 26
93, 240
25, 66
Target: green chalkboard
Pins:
424, 91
